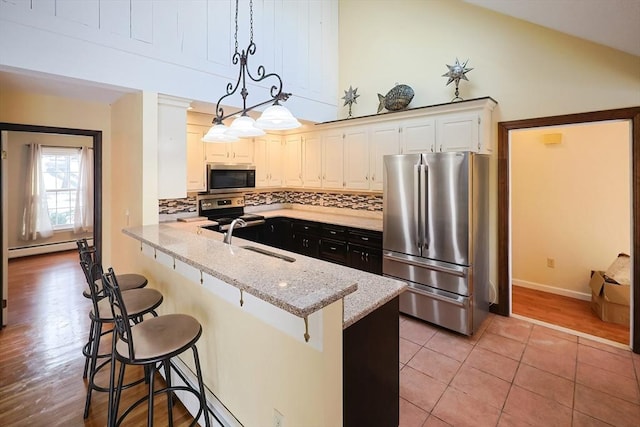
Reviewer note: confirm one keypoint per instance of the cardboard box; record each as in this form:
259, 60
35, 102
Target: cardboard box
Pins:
610, 301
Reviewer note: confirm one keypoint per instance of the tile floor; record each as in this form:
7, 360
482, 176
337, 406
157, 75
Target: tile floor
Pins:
514, 373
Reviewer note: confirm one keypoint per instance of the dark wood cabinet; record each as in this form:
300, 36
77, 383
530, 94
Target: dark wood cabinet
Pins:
353, 247
306, 238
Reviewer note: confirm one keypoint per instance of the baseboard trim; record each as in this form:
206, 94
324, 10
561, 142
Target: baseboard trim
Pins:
44, 249
552, 290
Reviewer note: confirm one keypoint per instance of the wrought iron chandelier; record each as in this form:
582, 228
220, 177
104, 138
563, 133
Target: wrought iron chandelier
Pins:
275, 117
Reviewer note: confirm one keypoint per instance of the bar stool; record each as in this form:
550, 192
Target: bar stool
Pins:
127, 281
139, 302
153, 341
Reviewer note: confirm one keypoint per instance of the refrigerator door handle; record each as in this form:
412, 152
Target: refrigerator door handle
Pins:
416, 204
424, 205
459, 301
454, 272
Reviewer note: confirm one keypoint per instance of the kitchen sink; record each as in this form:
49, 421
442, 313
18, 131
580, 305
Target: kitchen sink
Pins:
269, 253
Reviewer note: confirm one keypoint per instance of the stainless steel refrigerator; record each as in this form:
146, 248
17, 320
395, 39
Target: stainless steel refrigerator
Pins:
435, 236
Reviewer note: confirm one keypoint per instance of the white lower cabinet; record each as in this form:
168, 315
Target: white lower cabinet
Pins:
268, 161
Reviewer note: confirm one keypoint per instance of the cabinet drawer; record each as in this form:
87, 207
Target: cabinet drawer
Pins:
306, 227
334, 232
334, 250
365, 237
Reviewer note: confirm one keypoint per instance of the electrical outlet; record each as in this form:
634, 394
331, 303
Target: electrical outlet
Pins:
551, 263
278, 418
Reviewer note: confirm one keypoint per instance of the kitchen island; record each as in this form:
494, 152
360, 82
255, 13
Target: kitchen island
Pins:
288, 319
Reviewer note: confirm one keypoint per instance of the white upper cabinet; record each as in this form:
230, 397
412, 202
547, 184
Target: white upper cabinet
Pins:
383, 140
292, 160
333, 160
312, 160
172, 147
458, 132
231, 152
196, 171
268, 160
356, 158
418, 135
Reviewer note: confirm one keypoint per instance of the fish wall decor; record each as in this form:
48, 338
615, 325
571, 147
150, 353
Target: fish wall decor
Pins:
398, 98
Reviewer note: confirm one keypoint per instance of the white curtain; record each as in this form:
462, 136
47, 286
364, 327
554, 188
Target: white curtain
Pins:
35, 218
83, 214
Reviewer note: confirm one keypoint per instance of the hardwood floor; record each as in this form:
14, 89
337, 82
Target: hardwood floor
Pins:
567, 312
41, 358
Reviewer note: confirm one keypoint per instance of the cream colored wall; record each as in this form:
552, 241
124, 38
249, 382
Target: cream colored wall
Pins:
17, 165
252, 367
43, 110
126, 152
531, 71
570, 202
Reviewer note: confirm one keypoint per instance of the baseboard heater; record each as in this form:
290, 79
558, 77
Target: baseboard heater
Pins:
219, 415
44, 248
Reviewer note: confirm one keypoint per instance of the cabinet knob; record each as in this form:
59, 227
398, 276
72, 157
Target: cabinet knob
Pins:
366, 177
440, 147
373, 177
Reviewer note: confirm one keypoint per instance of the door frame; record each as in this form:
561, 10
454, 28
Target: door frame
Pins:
504, 230
97, 183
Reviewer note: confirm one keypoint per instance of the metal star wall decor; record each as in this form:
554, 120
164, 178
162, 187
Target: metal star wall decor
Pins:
350, 98
457, 72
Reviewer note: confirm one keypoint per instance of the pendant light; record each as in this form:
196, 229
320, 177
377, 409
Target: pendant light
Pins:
275, 117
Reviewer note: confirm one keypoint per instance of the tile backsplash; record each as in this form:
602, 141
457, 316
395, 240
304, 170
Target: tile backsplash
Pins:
366, 202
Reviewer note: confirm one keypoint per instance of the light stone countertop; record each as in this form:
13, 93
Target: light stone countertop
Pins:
350, 218
311, 283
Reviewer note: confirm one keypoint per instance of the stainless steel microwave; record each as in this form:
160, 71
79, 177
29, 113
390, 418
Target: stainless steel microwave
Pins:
224, 178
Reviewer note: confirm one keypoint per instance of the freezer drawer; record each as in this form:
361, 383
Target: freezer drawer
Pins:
442, 308
442, 275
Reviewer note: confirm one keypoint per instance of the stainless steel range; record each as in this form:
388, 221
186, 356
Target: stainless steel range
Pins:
224, 208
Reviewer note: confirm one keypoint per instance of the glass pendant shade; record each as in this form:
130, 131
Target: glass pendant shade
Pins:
277, 117
219, 133
244, 126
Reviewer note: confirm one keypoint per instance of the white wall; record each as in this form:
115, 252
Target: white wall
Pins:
570, 202
179, 48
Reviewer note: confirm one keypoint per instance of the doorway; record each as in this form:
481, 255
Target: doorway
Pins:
504, 211
97, 194
570, 215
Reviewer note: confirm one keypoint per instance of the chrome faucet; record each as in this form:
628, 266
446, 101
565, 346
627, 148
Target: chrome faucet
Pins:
227, 236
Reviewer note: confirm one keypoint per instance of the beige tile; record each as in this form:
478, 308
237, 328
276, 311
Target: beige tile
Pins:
492, 363
407, 350
606, 347
501, 345
482, 386
605, 407
420, 389
545, 384
482, 329
509, 327
555, 363
615, 363
583, 420
401, 366
507, 420
417, 331
541, 339
460, 409
608, 382
436, 365
556, 333
535, 409
450, 345
434, 421
411, 415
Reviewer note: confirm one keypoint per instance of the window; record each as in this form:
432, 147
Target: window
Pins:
61, 167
